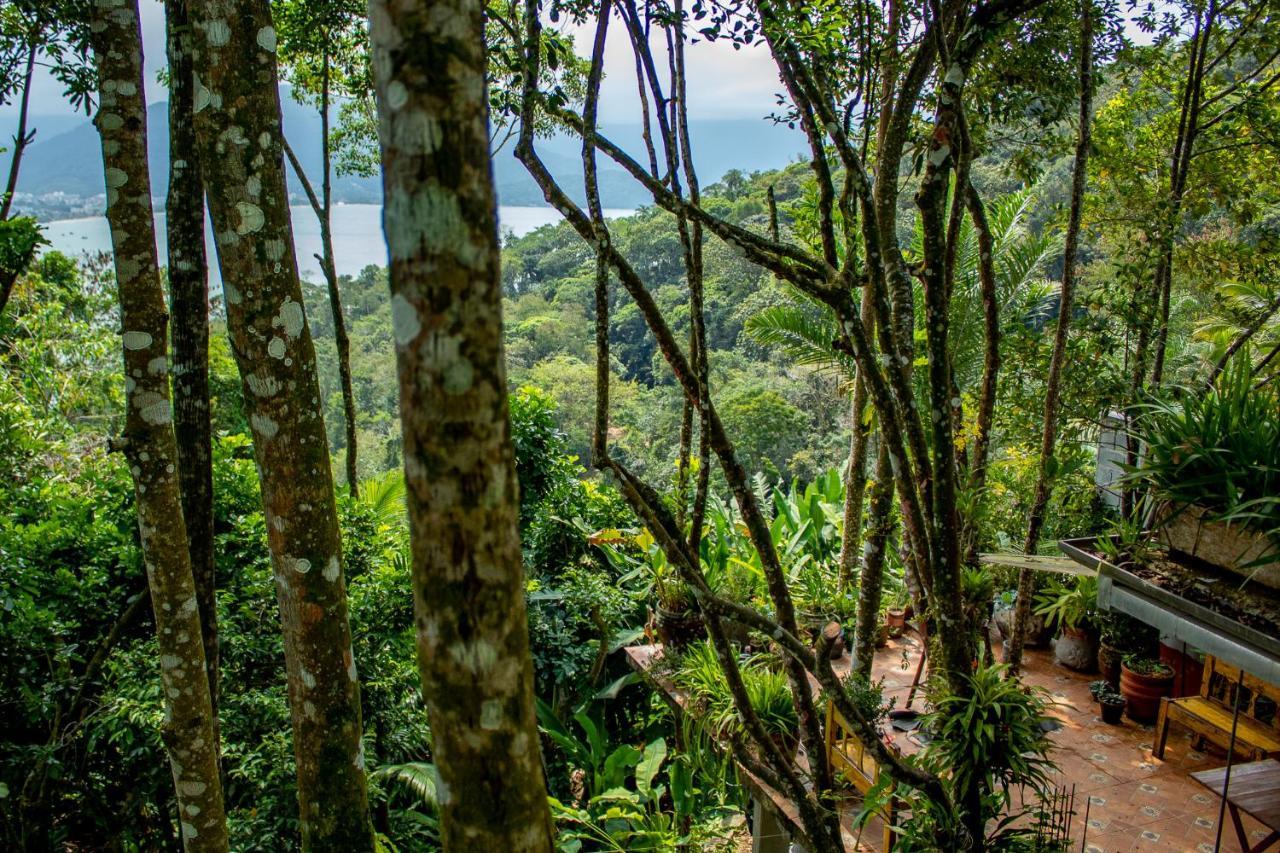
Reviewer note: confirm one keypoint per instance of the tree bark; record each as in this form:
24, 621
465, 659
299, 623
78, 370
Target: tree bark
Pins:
240, 140
148, 439
873, 560
189, 307
855, 485
440, 217
21, 139
342, 343
1053, 384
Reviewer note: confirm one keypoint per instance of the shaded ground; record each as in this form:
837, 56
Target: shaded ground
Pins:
1135, 801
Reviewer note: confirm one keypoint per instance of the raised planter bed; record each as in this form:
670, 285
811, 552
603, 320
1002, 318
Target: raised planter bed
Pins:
1206, 607
1192, 531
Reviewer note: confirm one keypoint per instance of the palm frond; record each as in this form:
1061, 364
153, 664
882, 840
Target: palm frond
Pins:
804, 335
418, 777
384, 496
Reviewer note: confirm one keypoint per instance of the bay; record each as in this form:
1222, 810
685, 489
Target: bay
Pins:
357, 236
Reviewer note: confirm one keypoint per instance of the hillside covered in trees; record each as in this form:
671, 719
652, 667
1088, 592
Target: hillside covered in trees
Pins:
364, 563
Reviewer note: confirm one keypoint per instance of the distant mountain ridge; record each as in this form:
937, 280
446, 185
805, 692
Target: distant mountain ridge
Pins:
61, 174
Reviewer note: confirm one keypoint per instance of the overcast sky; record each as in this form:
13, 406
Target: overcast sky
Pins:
724, 83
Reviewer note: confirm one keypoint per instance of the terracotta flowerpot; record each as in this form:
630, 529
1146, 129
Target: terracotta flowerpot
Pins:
678, 631
1109, 664
1076, 648
1143, 693
895, 619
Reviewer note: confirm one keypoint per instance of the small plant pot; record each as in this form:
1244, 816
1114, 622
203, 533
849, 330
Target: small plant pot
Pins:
678, 631
895, 619
1112, 710
1076, 649
1143, 693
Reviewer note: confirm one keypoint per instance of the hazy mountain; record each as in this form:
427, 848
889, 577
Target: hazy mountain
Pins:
61, 173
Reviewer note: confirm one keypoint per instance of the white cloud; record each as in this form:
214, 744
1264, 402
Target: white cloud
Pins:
723, 82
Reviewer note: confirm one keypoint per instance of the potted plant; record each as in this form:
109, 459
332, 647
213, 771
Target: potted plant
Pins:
1209, 461
1118, 635
1071, 607
895, 612
1110, 701
677, 618
1144, 682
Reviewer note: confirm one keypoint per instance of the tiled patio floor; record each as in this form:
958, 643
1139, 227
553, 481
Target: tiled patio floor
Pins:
1135, 801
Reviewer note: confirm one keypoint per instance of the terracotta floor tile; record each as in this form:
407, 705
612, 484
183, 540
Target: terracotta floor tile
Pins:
1129, 792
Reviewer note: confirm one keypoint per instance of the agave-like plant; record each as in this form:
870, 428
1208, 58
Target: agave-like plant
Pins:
1218, 448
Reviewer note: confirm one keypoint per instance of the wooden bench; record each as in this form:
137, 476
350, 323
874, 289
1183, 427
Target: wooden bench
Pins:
846, 755
1209, 715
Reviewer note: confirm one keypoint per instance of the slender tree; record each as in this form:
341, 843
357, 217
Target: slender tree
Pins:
319, 41
1057, 360
189, 307
148, 440
239, 137
440, 217
22, 138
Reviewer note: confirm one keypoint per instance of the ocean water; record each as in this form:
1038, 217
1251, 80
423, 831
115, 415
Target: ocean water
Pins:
357, 236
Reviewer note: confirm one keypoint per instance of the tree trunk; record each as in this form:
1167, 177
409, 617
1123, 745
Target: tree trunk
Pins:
148, 440
21, 139
342, 343
189, 307
440, 217
1053, 385
855, 485
874, 553
240, 140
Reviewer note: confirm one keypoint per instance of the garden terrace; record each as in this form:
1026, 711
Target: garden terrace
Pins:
1133, 800
1194, 602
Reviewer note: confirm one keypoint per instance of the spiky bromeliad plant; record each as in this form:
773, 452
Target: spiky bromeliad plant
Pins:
1218, 448
993, 735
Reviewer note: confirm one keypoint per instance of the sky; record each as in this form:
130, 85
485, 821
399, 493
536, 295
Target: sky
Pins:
724, 83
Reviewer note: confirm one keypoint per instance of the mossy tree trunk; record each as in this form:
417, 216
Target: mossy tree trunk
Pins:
189, 306
238, 128
148, 439
440, 218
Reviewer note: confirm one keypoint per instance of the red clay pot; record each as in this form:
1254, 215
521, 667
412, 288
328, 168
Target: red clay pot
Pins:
1187, 670
1143, 693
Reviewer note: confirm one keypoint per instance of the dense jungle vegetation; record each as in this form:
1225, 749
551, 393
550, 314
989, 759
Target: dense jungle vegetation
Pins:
777, 400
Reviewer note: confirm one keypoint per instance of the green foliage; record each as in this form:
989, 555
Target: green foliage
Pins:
990, 737
1219, 449
698, 673
1069, 604
1150, 667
